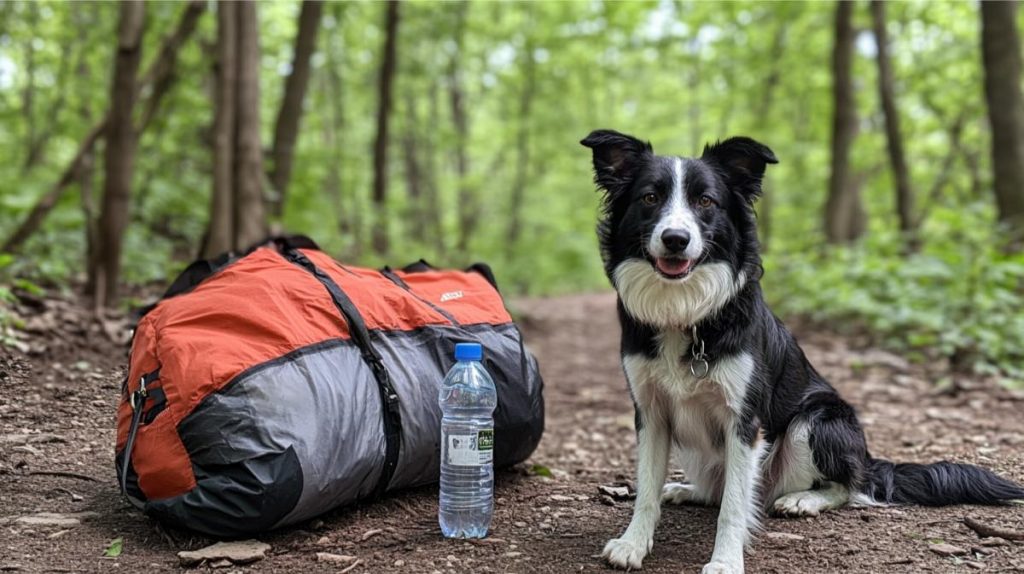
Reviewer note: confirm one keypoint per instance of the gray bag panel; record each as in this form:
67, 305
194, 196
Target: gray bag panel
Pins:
332, 423
418, 361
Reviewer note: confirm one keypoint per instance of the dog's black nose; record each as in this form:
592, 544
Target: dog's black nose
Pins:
675, 240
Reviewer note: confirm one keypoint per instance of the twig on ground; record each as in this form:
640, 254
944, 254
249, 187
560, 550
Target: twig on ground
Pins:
351, 566
63, 474
985, 530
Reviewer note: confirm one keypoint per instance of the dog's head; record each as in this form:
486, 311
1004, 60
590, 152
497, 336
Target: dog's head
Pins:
673, 221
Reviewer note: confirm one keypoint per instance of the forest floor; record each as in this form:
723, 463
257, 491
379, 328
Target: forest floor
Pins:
57, 402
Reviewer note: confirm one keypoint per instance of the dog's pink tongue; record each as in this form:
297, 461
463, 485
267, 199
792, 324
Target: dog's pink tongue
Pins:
673, 266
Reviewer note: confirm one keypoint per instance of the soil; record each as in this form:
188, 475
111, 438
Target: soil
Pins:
63, 382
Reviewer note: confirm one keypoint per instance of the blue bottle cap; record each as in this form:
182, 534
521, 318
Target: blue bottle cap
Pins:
468, 352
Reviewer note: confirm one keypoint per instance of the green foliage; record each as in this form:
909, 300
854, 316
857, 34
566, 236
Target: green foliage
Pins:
959, 299
677, 73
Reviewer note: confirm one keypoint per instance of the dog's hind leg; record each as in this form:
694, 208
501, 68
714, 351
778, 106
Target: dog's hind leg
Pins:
822, 462
706, 478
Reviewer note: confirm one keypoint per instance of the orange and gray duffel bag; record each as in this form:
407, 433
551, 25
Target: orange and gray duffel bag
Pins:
266, 389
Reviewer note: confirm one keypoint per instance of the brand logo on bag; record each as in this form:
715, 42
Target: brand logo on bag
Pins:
451, 295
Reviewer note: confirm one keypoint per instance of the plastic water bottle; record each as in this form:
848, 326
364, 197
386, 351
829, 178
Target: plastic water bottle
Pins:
467, 400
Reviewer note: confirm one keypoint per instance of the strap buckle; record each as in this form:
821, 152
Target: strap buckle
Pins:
138, 398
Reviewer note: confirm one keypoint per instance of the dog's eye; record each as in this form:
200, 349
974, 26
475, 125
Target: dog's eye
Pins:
705, 201
650, 199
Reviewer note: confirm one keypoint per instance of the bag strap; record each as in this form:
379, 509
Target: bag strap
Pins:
361, 336
137, 400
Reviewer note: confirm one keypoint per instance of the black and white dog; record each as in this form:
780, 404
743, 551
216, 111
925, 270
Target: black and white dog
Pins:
712, 371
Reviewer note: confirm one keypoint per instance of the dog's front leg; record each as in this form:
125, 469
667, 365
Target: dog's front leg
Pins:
653, 442
739, 506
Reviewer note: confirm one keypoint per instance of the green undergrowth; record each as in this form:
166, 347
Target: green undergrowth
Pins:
959, 298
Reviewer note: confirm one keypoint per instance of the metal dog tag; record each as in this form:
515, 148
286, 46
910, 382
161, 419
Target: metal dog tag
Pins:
699, 366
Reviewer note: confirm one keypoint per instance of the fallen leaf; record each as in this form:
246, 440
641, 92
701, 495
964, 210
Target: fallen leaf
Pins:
114, 548
540, 470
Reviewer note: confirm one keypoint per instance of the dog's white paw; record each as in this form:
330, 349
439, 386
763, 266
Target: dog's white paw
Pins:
678, 493
805, 503
722, 568
626, 553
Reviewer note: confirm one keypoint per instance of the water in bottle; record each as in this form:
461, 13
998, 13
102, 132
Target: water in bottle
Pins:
467, 400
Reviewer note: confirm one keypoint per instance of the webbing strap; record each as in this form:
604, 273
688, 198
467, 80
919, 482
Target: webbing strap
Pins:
137, 400
361, 336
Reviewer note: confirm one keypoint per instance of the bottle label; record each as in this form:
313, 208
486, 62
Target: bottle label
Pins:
471, 450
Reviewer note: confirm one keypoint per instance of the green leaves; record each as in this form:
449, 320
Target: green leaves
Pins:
114, 548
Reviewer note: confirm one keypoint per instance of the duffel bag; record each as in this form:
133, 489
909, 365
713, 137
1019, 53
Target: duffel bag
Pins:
266, 389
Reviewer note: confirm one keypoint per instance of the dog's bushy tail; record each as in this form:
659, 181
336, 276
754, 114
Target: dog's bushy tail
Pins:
937, 484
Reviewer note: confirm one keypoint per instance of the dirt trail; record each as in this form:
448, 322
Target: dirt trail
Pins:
542, 524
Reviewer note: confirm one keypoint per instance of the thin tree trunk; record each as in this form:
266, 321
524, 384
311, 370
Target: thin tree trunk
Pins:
286, 129
220, 235
28, 95
844, 214
771, 84
433, 199
250, 211
413, 171
515, 228
119, 156
380, 146
469, 210
1000, 47
155, 74
897, 157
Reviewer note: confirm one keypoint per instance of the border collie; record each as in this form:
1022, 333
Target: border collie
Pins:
713, 372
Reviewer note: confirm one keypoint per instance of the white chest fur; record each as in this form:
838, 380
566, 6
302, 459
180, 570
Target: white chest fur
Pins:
698, 409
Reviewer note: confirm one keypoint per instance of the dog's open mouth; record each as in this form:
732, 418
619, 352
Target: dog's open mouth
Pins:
673, 267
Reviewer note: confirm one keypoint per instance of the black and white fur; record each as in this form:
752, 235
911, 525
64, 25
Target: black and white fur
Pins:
762, 429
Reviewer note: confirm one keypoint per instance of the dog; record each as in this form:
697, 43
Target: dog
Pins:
712, 372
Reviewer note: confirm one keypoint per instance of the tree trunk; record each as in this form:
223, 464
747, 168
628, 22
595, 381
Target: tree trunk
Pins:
844, 213
771, 84
119, 156
220, 235
894, 139
1000, 47
154, 75
286, 129
380, 145
250, 212
469, 207
413, 171
515, 227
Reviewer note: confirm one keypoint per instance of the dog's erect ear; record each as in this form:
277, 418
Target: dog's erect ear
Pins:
616, 158
743, 161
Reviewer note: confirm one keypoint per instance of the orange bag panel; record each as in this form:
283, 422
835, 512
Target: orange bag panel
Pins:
466, 296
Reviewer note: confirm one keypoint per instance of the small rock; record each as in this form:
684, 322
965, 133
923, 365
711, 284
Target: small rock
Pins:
519, 524
607, 500
334, 558
943, 549
975, 565
323, 541
617, 492
561, 498
513, 554
992, 541
783, 536
982, 551
54, 519
399, 563
241, 552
